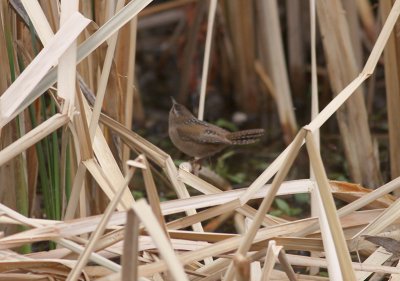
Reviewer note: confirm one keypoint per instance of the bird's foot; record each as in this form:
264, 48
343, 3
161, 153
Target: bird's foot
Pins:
196, 166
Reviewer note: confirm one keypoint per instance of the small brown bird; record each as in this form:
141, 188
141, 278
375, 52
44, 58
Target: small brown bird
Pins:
200, 139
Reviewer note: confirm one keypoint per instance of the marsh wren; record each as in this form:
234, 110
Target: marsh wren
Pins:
200, 139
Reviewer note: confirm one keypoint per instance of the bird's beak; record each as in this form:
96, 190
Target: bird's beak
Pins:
173, 101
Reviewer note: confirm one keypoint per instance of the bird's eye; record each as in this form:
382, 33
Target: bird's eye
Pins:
176, 111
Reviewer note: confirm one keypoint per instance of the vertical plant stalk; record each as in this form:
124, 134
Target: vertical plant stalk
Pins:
206, 61
314, 110
273, 49
130, 250
55, 168
353, 20
352, 117
190, 50
43, 174
112, 43
391, 57
130, 89
20, 181
295, 46
240, 15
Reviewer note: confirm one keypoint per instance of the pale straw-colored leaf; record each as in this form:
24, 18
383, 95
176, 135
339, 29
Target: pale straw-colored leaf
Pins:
204, 215
142, 145
309, 261
386, 218
102, 83
89, 247
39, 20
270, 260
268, 199
282, 257
77, 187
67, 66
224, 246
361, 202
155, 154
130, 73
272, 46
206, 59
12, 101
376, 258
382, 39
86, 48
331, 252
147, 217
64, 242
108, 163
32, 137
333, 227
152, 194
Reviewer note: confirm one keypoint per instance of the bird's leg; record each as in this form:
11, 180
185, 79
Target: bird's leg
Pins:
196, 165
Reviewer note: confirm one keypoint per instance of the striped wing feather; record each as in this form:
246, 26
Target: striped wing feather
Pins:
206, 134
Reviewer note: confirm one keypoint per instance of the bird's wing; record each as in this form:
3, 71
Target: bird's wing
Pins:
206, 133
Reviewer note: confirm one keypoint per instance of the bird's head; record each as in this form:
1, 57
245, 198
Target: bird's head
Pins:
178, 110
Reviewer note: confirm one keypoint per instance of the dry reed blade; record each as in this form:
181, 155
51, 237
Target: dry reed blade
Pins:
25, 83
335, 229
67, 66
286, 265
101, 178
240, 15
108, 163
39, 20
367, 18
296, 11
386, 218
86, 48
84, 257
378, 257
142, 145
152, 194
145, 214
203, 215
265, 79
308, 261
155, 154
224, 246
359, 203
267, 201
64, 242
77, 187
130, 255
191, 246
112, 43
266, 175
269, 260
32, 137
128, 65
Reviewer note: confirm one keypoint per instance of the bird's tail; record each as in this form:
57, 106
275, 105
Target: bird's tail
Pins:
246, 136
